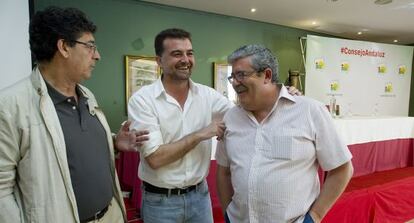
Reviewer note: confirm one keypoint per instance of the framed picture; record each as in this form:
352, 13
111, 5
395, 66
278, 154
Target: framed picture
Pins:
221, 84
139, 71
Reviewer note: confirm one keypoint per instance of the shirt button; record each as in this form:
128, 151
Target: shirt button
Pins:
69, 100
74, 107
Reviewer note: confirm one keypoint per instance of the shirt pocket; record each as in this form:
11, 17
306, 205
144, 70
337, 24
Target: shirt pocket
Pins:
280, 147
289, 147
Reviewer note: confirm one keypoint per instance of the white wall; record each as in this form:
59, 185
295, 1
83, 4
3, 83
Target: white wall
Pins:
15, 61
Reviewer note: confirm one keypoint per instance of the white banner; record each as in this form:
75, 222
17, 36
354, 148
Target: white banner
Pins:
365, 78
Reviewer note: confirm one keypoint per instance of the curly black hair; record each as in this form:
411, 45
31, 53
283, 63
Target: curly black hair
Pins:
173, 33
54, 23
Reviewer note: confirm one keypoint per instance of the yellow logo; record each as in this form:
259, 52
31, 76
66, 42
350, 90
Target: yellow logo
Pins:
388, 87
402, 69
382, 69
344, 66
334, 86
319, 64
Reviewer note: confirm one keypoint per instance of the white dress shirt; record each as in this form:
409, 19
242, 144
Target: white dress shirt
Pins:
274, 164
151, 108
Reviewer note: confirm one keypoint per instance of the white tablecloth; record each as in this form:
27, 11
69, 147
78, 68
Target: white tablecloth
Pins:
357, 130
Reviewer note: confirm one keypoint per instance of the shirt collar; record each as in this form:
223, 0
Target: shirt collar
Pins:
285, 94
160, 90
57, 97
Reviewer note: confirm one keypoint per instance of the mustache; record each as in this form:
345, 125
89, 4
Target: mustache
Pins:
239, 88
184, 64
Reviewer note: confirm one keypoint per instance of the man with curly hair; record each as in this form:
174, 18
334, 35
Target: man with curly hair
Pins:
56, 148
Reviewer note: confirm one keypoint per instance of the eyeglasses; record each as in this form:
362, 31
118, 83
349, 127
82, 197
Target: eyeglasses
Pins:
90, 46
239, 76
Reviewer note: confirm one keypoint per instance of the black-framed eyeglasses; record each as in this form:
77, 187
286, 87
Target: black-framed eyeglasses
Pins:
89, 45
239, 76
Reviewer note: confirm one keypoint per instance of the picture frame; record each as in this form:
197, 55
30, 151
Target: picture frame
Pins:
221, 72
139, 71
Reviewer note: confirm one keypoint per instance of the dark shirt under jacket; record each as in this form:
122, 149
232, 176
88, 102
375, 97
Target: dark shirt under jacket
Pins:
87, 153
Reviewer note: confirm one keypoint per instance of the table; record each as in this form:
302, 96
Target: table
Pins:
363, 129
378, 143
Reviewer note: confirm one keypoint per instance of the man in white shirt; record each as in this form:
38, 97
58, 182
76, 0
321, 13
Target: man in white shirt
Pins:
273, 146
182, 117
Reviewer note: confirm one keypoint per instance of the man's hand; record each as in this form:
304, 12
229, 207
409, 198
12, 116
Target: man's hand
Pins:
127, 141
293, 91
171, 152
334, 185
216, 128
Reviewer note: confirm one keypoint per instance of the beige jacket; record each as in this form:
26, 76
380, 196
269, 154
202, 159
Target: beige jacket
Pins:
35, 183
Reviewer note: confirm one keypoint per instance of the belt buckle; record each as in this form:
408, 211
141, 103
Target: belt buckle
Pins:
184, 190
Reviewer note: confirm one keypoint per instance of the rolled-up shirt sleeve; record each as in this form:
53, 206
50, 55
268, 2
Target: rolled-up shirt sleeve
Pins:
143, 117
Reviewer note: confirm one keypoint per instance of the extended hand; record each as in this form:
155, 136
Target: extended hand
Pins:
127, 140
216, 128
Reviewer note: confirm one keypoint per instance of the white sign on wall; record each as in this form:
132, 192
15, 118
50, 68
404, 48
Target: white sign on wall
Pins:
365, 78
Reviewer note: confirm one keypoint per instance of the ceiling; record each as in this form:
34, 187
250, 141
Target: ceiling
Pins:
342, 18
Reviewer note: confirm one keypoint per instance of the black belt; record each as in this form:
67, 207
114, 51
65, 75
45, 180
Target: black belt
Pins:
175, 191
98, 215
